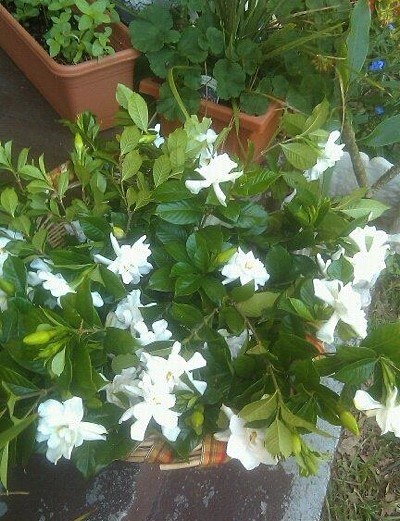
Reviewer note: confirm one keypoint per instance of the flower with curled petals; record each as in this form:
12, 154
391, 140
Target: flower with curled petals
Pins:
61, 426
246, 268
218, 170
131, 261
387, 415
245, 444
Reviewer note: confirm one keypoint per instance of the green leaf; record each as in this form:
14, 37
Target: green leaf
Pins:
172, 191
386, 133
82, 381
95, 229
112, 283
4, 466
385, 340
129, 139
256, 305
297, 421
300, 155
121, 362
243, 293
160, 280
119, 341
137, 109
255, 183
230, 77
14, 271
84, 303
189, 47
9, 201
186, 315
162, 169
356, 373
58, 363
358, 38
278, 439
214, 289
259, 410
181, 212
187, 284
11, 433
367, 208
176, 144
123, 95
297, 307
318, 117
131, 164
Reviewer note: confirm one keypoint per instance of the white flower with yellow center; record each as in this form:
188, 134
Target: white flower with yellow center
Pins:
131, 262
245, 444
168, 371
61, 426
346, 304
387, 415
218, 170
246, 267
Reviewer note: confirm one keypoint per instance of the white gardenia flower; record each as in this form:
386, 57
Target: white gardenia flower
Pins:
61, 425
235, 343
346, 304
124, 383
127, 313
369, 261
218, 170
246, 267
168, 371
158, 332
330, 153
157, 404
245, 444
131, 262
55, 283
387, 416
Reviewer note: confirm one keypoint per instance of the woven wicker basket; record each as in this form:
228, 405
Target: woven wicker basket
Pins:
210, 453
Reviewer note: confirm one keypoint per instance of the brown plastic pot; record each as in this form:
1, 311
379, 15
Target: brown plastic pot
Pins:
257, 129
71, 89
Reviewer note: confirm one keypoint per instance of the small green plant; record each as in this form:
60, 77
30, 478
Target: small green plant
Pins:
245, 52
71, 30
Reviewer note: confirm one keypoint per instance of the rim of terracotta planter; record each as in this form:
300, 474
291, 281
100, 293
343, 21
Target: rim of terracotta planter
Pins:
151, 87
120, 39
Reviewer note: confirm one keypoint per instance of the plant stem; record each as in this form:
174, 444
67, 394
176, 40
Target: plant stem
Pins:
177, 96
350, 140
385, 178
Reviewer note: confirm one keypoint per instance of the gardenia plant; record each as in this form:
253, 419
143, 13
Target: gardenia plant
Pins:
151, 287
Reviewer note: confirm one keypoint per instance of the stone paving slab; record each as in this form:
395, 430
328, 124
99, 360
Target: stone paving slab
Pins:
126, 492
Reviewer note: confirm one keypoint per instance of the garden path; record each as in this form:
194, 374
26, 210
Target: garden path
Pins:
125, 492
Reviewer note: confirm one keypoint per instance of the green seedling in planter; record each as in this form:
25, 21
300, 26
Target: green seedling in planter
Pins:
243, 52
71, 30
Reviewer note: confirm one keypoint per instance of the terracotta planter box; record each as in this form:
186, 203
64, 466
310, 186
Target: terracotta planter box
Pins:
71, 89
257, 129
